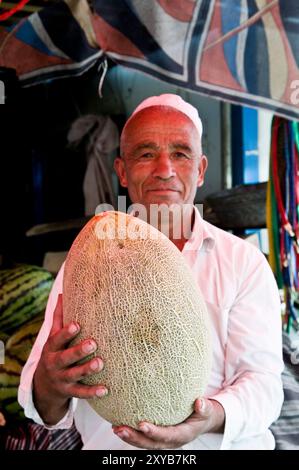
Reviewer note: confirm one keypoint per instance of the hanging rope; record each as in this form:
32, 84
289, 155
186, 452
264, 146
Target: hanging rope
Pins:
283, 214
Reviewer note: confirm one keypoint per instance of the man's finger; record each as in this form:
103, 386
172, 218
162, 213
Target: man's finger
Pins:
74, 354
150, 436
203, 407
74, 374
59, 340
136, 438
87, 391
172, 436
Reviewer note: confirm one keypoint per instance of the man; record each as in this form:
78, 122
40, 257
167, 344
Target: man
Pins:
162, 162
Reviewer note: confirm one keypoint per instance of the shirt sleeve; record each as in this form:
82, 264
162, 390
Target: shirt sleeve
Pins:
25, 396
252, 393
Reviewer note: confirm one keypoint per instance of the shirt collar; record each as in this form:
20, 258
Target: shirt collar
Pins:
202, 236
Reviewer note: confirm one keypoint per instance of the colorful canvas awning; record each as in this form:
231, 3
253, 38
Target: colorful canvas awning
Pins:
243, 51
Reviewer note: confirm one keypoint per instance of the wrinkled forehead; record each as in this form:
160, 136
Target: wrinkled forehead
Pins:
153, 115
158, 124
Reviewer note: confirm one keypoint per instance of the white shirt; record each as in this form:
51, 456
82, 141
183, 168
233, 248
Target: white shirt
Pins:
244, 307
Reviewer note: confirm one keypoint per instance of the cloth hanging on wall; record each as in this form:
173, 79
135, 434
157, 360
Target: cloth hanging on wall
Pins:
245, 51
102, 138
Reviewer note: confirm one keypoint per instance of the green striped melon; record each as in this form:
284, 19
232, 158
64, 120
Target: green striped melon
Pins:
10, 373
20, 343
24, 292
136, 296
17, 350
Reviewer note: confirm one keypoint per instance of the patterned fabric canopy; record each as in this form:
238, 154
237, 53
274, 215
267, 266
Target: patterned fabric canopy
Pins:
243, 51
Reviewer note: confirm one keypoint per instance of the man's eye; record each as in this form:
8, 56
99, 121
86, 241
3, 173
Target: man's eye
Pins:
146, 155
180, 155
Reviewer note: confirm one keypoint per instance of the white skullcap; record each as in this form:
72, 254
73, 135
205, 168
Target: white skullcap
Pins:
176, 102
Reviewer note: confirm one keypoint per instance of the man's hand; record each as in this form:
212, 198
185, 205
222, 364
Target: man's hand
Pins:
208, 416
57, 376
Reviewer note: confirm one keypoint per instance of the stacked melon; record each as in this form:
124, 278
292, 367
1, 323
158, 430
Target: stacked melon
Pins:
24, 291
130, 289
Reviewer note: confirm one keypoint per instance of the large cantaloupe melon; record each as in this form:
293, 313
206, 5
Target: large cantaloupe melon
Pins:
136, 296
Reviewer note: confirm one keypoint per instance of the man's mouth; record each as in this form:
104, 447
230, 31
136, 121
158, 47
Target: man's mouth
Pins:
163, 190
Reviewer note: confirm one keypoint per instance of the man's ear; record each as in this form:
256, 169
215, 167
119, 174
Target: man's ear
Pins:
202, 168
119, 167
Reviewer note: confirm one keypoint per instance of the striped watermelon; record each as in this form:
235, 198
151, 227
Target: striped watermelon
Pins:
24, 292
19, 345
17, 350
9, 382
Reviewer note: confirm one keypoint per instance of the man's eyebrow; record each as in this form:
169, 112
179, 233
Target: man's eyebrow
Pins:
181, 146
146, 145
151, 145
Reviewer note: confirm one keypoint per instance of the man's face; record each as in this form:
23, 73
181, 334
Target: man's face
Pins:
161, 158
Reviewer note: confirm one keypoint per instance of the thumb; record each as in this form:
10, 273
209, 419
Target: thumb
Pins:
203, 407
57, 317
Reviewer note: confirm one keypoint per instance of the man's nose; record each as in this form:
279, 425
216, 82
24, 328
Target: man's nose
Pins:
164, 167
